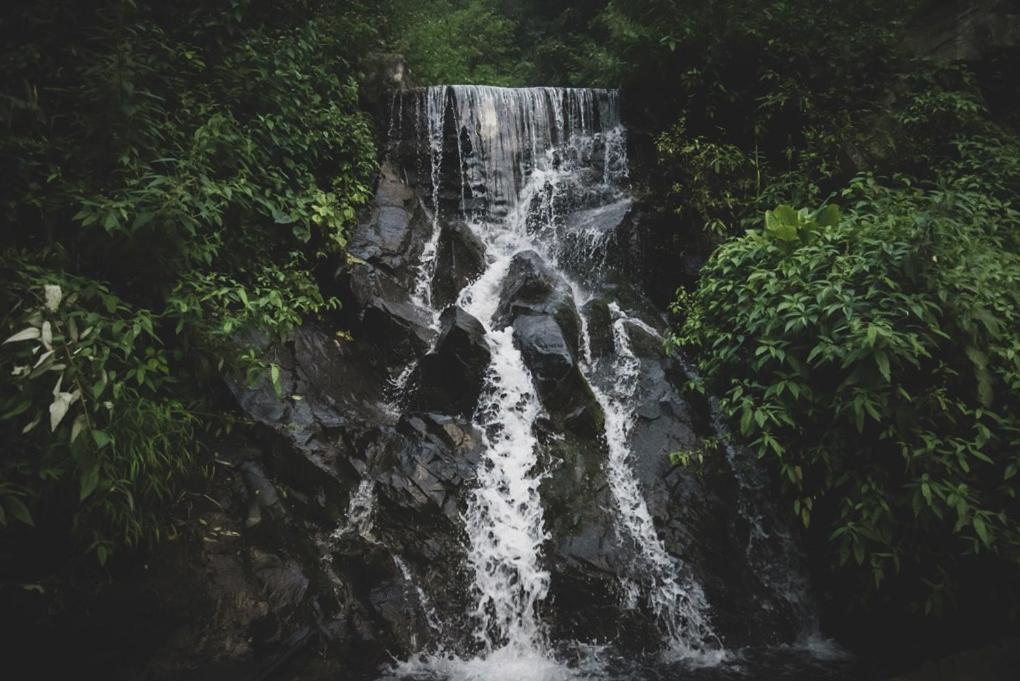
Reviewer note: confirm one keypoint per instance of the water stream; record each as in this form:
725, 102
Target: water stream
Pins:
532, 166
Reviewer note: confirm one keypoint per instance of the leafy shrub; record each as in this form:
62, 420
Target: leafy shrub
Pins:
458, 42
178, 173
87, 406
873, 359
714, 181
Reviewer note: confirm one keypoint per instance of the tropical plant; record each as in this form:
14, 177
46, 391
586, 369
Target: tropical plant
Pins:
873, 358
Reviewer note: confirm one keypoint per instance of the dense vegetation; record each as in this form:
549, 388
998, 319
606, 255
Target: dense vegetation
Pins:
173, 174
178, 175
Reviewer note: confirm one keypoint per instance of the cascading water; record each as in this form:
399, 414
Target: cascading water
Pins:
434, 113
538, 176
680, 607
523, 155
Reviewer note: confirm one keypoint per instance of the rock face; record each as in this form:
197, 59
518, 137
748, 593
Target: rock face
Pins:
449, 379
386, 248
384, 235
537, 302
460, 259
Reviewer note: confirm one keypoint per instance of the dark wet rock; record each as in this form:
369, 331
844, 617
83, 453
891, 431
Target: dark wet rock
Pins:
562, 388
380, 312
538, 303
545, 349
284, 583
383, 236
396, 328
651, 256
326, 384
532, 287
600, 327
449, 379
460, 259
584, 550
264, 498
426, 462
589, 241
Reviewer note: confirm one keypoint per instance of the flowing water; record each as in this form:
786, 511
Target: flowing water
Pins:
539, 170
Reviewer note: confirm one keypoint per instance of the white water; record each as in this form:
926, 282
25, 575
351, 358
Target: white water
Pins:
679, 606
528, 151
434, 112
360, 513
431, 617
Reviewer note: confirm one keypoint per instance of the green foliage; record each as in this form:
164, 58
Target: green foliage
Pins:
178, 173
713, 181
87, 408
874, 359
458, 42
690, 457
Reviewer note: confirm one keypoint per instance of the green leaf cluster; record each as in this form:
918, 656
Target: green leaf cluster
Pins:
182, 173
873, 359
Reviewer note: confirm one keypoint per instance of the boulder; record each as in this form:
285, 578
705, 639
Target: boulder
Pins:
561, 387
460, 259
449, 379
539, 305
383, 236
398, 329
532, 287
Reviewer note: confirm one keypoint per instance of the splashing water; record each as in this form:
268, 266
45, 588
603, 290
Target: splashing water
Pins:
680, 608
527, 158
360, 513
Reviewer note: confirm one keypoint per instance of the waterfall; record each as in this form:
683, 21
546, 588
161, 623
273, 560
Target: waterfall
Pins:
433, 110
526, 159
680, 607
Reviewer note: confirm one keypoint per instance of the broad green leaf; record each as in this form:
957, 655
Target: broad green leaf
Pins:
274, 372
78, 426
18, 509
53, 294
58, 408
302, 231
88, 482
787, 214
828, 216
882, 360
101, 438
31, 333
982, 530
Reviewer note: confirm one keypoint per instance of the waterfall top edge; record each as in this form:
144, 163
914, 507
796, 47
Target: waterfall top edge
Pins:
501, 88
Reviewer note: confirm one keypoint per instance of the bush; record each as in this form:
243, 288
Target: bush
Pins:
873, 359
86, 407
177, 173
